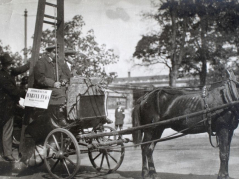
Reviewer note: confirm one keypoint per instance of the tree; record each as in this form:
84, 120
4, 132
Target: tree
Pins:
168, 45
91, 57
194, 34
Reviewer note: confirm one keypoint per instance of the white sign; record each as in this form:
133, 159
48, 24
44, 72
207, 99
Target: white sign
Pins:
37, 98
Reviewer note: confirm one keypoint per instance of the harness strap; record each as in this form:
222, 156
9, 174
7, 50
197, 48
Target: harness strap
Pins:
207, 115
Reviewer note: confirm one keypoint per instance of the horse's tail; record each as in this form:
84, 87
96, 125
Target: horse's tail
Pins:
137, 135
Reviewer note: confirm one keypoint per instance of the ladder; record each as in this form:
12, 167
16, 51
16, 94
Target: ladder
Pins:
40, 19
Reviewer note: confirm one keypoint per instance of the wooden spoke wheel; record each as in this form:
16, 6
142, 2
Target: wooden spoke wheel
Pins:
109, 158
62, 154
37, 158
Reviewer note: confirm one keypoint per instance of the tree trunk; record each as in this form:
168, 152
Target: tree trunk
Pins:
203, 74
174, 70
173, 75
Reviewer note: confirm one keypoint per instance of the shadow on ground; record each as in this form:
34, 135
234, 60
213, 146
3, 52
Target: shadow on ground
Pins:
137, 175
85, 172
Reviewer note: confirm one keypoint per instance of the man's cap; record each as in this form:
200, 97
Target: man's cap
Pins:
70, 52
6, 59
50, 48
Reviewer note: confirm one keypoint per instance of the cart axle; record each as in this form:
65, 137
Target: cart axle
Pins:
118, 142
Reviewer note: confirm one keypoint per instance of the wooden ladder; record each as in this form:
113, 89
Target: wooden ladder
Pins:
40, 19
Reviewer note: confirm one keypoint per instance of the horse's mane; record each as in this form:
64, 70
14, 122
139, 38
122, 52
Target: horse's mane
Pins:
186, 91
146, 95
169, 90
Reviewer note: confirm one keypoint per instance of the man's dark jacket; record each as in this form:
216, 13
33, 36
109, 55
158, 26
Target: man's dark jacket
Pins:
45, 77
9, 92
119, 116
66, 71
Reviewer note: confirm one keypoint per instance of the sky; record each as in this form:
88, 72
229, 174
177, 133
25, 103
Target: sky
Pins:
116, 23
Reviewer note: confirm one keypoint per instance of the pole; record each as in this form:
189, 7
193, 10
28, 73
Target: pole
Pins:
60, 31
34, 58
162, 123
25, 49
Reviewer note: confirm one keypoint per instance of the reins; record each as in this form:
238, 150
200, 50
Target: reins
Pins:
169, 137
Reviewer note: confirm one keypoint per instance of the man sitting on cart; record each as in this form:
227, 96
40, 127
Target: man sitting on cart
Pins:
47, 76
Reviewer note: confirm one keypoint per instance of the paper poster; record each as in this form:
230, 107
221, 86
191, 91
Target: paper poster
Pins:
37, 98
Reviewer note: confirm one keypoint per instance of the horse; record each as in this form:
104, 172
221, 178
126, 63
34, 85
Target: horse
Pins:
162, 104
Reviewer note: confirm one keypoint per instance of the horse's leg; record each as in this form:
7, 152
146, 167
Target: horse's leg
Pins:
152, 171
148, 168
225, 137
147, 137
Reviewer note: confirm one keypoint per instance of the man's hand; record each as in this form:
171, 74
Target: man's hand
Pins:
57, 84
64, 82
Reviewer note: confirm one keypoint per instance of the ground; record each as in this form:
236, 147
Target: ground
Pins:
189, 157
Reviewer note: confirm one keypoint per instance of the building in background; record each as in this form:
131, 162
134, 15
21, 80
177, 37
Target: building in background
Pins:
127, 90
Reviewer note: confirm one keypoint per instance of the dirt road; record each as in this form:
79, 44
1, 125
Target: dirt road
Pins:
184, 158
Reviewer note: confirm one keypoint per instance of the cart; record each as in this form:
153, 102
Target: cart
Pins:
61, 148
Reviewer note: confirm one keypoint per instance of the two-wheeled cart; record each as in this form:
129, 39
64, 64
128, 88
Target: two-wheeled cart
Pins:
61, 148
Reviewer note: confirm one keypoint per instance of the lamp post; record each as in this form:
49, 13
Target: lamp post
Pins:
25, 37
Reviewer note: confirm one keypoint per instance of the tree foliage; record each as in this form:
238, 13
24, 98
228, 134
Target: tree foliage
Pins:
194, 35
91, 57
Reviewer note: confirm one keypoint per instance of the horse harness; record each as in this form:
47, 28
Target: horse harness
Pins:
229, 94
207, 115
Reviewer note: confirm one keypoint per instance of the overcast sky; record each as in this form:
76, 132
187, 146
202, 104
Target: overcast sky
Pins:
116, 23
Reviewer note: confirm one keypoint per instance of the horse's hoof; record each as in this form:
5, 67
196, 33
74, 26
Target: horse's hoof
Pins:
146, 177
151, 177
145, 173
223, 177
155, 176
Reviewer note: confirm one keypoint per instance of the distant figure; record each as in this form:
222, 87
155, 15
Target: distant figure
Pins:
119, 116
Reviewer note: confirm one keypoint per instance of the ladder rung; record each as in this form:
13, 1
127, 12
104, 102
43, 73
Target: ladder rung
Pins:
51, 17
50, 4
48, 22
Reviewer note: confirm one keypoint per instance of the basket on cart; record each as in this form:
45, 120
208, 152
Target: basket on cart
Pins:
86, 102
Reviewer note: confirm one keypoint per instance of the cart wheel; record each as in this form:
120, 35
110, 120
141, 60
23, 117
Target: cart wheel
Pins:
62, 154
105, 129
36, 159
107, 159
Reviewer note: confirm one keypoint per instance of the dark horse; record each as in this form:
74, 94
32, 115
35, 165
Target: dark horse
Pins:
167, 103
